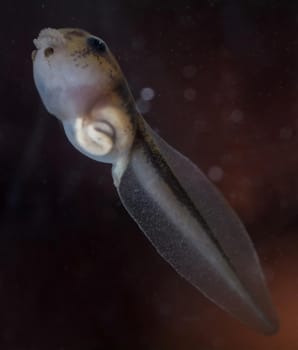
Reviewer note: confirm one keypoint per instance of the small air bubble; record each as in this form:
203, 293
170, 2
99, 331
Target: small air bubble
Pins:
147, 94
190, 94
138, 43
227, 157
236, 116
215, 173
189, 71
201, 125
285, 133
284, 204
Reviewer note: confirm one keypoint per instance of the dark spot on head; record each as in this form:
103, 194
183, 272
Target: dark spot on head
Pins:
74, 33
48, 51
96, 45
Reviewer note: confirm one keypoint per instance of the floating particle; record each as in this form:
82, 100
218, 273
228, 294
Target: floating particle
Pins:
285, 133
190, 94
236, 116
218, 98
189, 71
227, 157
200, 125
147, 94
138, 43
284, 204
215, 173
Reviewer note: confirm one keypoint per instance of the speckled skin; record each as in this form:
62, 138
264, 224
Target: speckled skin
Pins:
178, 209
98, 121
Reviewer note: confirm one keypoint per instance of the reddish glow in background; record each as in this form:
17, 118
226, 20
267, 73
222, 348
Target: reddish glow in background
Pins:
75, 271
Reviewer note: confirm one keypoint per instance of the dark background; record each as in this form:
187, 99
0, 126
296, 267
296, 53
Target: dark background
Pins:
75, 271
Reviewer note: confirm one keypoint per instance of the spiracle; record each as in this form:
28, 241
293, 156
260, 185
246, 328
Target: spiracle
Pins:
96, 138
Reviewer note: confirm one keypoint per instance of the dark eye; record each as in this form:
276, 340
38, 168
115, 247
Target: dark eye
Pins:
96, 45
48, 51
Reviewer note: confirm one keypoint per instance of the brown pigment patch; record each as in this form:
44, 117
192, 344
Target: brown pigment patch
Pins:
74, 33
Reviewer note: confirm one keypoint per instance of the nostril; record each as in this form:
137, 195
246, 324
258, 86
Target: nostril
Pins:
48, 51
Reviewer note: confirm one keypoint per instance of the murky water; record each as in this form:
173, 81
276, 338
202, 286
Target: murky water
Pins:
218, 80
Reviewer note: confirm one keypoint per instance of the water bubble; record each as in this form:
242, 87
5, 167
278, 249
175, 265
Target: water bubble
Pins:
285, 133
190, 94
227, 157
147, 94
218, 98
236, 116
164, 309
215, 173
284, 204
189, 71
201, 125
138, 43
